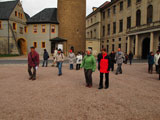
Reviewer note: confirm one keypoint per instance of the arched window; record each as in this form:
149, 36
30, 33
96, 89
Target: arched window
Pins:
149, 14
138, 18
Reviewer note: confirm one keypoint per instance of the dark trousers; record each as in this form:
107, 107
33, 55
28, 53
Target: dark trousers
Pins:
45, 62
130, 62
88, 77
33, 75
157, 68
112, 66
78, 66
150, 68
71, 66
101, 80
119, 69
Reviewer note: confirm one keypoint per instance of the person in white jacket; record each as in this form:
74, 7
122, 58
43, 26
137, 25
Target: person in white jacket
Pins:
156, 58
78, 61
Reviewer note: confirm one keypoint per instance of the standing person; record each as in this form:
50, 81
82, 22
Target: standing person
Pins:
104, 68
150, 62
119, 60
156, 58
59, 59
78, 61
33, 62
71, 57
89, 65
130, 57
54, 57
45, 58
112, 60
159, 67
126, 58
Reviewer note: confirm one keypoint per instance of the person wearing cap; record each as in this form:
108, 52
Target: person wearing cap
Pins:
59, 59
71, 58
89, 65
33, 62
45, 58
104, 68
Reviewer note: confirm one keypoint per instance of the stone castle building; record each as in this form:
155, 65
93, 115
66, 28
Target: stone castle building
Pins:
132, 25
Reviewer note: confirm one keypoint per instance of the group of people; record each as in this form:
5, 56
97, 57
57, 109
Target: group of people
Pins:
154, 59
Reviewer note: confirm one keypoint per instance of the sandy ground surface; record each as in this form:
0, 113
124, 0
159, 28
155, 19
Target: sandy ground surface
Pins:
134, 95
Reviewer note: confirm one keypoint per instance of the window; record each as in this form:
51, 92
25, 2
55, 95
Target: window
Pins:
19, 15
25, 29
107, 41
109, 29
121, 6
14, 26
114, 9
119, 45
114, 27
129, 3
43, 28
35, 28
21, 30
120, 39
35, 44
103, 14
113, 40
103, 31
149, 14
95, 33
53, 28
91, 20
112, 47
138, 1
128, 22
121, 26
138, 18
0, 25
43, 45
91, 34
16, 14
109, 12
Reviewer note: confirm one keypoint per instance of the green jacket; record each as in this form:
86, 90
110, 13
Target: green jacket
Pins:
89, 62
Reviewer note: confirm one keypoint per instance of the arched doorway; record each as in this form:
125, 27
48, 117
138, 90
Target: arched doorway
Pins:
145, 48
22, 45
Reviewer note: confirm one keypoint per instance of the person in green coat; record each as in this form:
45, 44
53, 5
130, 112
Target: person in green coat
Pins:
89, 65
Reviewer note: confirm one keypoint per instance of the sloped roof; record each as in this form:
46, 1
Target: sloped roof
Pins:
6, 8
48, 15
27, 16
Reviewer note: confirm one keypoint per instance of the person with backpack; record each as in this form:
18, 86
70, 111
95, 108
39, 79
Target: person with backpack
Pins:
45, 58
60, 59
33, 62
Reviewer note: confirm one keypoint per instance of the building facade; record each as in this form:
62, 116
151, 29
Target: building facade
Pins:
132, 25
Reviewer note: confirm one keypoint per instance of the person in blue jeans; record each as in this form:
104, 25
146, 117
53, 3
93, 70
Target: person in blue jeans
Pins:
59, 59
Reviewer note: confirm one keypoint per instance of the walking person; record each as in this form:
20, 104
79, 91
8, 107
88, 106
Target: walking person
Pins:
60, 59
45, 58
71, 58
150, 62
126, 58
112, 60
78, 61
130, 57
104, 68
89, 65
33, 62
119, 57
156, 58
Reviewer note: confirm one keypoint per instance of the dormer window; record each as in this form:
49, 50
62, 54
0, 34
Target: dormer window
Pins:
43, 28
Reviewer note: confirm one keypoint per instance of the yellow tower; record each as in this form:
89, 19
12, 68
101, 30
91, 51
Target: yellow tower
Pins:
71, 17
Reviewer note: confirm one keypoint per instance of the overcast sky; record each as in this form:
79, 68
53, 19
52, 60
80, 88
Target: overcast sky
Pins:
34, 6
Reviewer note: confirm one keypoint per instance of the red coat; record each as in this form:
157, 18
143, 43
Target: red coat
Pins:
104, 63
33, 59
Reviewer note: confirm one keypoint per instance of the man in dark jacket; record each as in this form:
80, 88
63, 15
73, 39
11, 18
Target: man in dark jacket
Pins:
112, 58
45, 58
150, 62
104, 68
159, 67
130, 57
33, 62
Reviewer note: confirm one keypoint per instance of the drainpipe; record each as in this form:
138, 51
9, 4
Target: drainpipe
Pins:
8, 38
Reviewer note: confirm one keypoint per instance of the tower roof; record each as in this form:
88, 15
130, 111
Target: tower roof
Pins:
48, 15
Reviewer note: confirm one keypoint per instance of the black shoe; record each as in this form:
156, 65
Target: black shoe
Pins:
33, 79
30, 78
116, 73
106, 87
59, 74
100, 88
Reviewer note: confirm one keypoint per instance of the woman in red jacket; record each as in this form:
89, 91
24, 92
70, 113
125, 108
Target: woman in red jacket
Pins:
104, 68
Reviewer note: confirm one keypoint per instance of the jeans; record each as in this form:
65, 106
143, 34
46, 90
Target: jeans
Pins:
59, 68
78, 66
45, 62
150, 68
88, 77
71, 66
119, 69
32, 75
101, 80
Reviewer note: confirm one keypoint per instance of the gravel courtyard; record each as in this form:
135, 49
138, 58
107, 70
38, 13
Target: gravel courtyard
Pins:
134, 95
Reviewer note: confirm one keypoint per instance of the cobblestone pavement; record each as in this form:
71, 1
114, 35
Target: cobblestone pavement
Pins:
134, 95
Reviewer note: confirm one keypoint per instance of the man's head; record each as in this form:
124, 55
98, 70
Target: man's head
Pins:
45, 50
32, 49
103, 51
112, 51
59, 51
119, 49
70, 51
89, 52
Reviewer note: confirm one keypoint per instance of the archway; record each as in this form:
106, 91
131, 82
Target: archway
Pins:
145, 48
22, 45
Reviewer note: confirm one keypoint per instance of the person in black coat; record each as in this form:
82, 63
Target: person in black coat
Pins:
159, 67
112, 60
45, 58
130, 57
